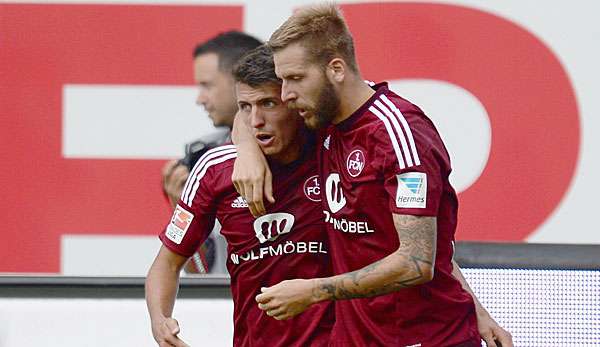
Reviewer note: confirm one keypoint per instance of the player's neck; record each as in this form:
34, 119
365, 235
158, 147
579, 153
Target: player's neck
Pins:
352, 96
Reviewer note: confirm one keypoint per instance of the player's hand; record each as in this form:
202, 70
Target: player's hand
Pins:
286, 299
491, 332
174, 177
165, 333
252, 179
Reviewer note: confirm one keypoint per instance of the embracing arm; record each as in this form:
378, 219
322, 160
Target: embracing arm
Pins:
251, 174
410, 265
491, 332
162, 283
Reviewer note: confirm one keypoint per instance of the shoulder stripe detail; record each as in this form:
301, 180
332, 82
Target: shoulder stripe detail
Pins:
399, 134
211, 153
409, 134
201, 174
200, 165
391, 134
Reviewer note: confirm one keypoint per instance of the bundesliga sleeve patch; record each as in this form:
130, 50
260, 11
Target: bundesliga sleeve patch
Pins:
412, 190
180, 222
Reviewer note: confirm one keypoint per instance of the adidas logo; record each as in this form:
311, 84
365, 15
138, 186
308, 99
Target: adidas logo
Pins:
326, 142
239, 202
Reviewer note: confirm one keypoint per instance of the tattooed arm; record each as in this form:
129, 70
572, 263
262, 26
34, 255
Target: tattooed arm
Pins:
410, 265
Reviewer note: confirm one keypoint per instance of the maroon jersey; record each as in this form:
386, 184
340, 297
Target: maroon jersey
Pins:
288, 242
388, 158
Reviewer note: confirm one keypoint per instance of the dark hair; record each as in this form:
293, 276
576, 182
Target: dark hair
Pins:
229, 46
256, 68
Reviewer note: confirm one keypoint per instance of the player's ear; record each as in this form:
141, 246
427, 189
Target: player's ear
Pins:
336, 70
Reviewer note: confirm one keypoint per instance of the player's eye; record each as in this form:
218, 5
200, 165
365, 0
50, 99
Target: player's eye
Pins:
269, 104
245, 107
293, 78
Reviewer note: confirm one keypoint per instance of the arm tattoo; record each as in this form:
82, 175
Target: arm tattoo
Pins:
411, 264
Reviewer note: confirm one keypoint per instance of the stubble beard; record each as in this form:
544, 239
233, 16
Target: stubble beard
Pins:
327, 107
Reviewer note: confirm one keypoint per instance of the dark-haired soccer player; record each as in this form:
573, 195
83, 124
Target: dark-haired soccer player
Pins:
288, 242
213, 64
389, 208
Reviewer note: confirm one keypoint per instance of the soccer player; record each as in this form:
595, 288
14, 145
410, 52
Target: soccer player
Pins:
389, 208
213, 65
288, 242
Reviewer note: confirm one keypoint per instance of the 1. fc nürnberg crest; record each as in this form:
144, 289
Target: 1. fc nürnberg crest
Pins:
355, 162
312, 188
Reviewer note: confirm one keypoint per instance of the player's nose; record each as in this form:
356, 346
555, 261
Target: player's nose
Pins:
257, 120
287, 94
201, 98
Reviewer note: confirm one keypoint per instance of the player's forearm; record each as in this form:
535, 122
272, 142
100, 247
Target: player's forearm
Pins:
244, 141
410, 265
241, 134
162, 284
457, 273
390, 274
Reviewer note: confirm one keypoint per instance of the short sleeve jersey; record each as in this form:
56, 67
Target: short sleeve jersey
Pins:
387, 157
288, 242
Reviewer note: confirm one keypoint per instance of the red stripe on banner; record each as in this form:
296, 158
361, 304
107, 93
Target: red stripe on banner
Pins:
47, 46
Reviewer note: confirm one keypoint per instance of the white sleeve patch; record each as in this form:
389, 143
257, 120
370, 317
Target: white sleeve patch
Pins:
180, 222
412, 190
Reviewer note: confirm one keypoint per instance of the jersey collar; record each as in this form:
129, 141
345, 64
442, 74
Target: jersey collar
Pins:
347, 123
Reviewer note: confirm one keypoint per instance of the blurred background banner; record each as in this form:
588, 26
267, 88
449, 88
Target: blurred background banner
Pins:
95, 96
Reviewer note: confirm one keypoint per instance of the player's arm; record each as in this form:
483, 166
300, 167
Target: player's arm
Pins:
410, 265
251, 174
162, 283
489, 329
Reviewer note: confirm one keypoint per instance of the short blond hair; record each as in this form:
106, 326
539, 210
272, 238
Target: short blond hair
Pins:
322, 30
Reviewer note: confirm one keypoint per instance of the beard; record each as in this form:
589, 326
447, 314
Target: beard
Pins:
327, 107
